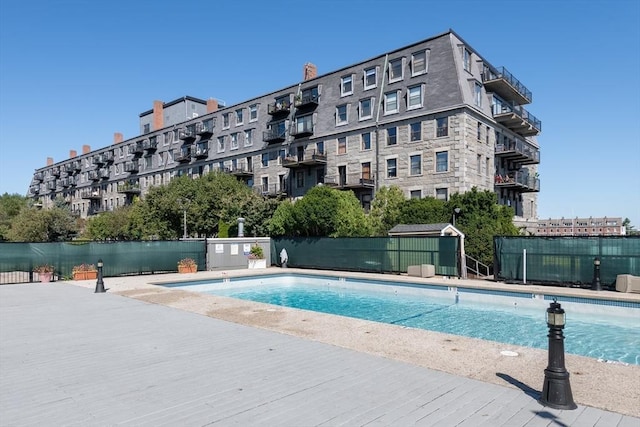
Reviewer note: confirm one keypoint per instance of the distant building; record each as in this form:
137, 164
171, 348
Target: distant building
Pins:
581, 227
433, 118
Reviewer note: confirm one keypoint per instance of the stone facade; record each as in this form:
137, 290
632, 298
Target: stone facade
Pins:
434, 118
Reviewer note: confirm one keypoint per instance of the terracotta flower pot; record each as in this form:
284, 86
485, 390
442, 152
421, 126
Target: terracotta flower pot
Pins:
85, 275
187, 269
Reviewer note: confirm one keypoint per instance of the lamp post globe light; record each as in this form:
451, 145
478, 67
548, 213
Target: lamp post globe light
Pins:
556, 391
595, 284
456, 212
100, 282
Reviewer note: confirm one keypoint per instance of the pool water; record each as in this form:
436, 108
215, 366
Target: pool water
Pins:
518, 323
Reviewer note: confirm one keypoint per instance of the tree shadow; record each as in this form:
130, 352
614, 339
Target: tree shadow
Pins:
531, 392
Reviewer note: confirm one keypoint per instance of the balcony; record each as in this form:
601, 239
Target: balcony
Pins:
307, 100
200, 151
150, 144
205, 130
302, 128
502, 82
67, 168
93, 193
350, 181
136, 149
98, 160
131, 167
515, 118
129, 188
273, 135
273, 190
519, 181
107, 156
104, 173
38, 176
55, 171
187, 134
51, 185
279, 108
68, 182
306, 160
241, 171
35, 190
518, 151
94, 175
182, 156
77, 165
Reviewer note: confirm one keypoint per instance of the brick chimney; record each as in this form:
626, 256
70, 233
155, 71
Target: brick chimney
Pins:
212, 105
86, 149
158, 115
309, 71
117, 138
72, 154
49, 161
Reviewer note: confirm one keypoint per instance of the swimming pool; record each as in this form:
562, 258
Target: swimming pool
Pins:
599, 329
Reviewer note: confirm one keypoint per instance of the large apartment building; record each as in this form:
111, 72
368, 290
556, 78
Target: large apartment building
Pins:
433, 118
592, 226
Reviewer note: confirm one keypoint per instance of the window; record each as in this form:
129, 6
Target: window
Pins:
392, 138
415, 194
414, 100
320, 147
304, 124
442, 161
442, 194
265, 184
442, 126
342, 145
466, 59
341, 115
396, 70
365, 109
415, 163
168, 138
253, 112
220, 144
148, 162
366, 141
419, 63
477, 99
146, 128
248, 137
415, 129
479, 163
239, 117
366, 170
265, 160
300, 179
487, 134
370, 78
390, 102
346, 86
234, 141
225, 121
392, 170
479, 135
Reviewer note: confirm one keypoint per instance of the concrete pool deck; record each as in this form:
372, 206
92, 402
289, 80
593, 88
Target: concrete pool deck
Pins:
168, 356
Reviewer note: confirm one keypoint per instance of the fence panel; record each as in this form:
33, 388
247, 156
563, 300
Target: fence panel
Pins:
566, 260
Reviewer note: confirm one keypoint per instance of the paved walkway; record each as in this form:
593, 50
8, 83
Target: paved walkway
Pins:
72, 357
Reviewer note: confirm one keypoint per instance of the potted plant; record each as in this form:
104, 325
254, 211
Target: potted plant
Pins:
45, 272
187, 265
84, 272
256, 257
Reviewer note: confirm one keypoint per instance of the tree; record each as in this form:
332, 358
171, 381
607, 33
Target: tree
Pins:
385, 210
10, 207
630, 229
428, 210
43, 225
114, 225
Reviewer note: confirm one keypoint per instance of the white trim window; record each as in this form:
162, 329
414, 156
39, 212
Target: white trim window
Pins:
415, 164
365, 139
392, 136
442, 194
415, 131
221, 144
370, 78
239, 116
248, 137
466, 59
442, 161
414, 97
477, 94
366, 108
225, 121
396, 70
392, 168
391, 102
234, 141
342, 114
419, 62
253, 112
346, 85
342, 145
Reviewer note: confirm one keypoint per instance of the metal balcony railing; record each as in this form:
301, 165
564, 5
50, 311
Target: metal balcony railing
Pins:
519, 151
279, 107
501, 108
518, 180
501, 73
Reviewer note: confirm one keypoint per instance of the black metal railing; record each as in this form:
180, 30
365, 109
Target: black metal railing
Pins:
501, 106
491, 74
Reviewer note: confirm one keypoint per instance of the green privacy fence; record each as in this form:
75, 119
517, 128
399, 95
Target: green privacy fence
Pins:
370, 254
119, 258
565, 260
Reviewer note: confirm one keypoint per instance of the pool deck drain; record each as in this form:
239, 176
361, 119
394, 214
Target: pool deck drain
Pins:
68, 356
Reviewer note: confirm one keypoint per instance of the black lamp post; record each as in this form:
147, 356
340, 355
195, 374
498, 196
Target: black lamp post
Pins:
456, 211
556, 391
100, 282
595, 284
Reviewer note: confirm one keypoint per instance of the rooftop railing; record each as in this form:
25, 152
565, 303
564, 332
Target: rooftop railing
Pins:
490, 74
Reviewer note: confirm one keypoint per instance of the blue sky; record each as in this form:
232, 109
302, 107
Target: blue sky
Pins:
73, 72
